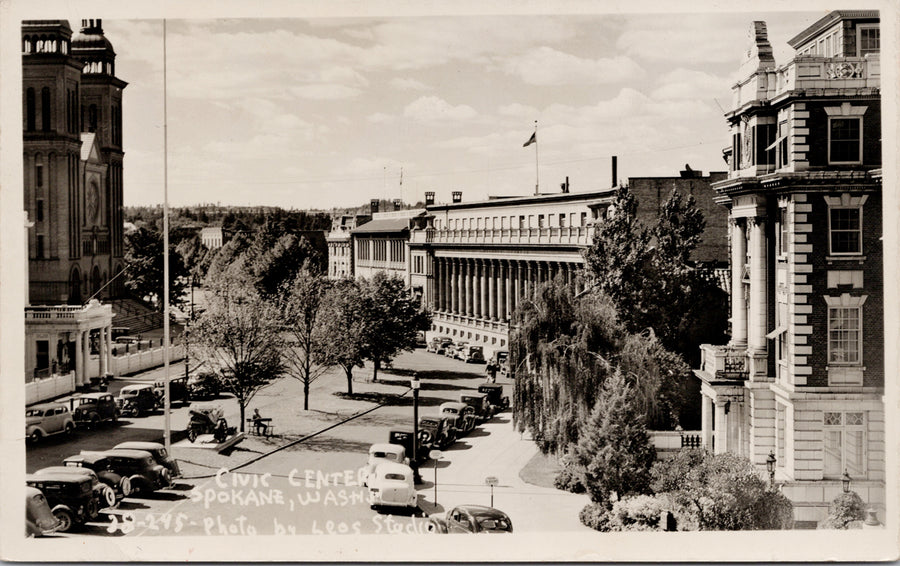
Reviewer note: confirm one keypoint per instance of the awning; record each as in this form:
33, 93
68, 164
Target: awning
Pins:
776, 333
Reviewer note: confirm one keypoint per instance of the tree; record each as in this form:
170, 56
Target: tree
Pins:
394, 317
239, 336
345, 324
144, 261
720, 492
302, 309
615, 449
844, 510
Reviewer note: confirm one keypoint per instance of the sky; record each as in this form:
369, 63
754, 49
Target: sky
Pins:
332, 111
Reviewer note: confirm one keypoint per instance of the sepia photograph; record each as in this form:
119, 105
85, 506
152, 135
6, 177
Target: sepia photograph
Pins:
325, 282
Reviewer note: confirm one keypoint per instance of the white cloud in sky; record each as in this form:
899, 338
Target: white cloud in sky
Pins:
548, 67
431, 109
687, 83
406, 83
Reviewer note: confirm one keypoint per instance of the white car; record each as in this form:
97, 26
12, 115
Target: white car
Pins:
381, 453
46, 420
392, 485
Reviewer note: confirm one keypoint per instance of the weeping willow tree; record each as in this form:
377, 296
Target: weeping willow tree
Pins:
562, 349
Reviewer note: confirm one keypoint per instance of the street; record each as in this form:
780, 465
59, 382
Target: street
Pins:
312, 485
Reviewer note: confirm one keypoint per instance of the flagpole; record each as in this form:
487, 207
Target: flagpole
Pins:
537, 183
167, 398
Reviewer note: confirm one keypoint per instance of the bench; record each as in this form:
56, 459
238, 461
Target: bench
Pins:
269, 427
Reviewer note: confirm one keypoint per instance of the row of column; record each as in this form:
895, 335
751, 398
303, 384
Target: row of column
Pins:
490, 289
749, 303
83, 353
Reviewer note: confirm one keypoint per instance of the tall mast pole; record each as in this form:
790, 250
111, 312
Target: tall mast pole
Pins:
167, 403
537, 182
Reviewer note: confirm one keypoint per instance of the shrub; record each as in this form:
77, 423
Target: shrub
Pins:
636, 513
844, 509
595, 516
570, 477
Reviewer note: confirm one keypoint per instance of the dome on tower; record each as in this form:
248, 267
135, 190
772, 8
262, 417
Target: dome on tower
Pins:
92, 47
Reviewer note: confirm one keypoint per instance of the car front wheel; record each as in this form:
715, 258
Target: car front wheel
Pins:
66, 519
35, 437
109, 496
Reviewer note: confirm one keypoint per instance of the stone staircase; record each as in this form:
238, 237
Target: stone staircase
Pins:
134, 315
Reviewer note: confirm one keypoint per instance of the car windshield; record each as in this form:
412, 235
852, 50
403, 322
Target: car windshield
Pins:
493, 523
451, 410
34, 413
88, 401
400, 477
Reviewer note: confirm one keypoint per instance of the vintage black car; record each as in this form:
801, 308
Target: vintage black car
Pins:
136, 400
203, 386
71, 497
435, 432
404, 438
157, 450
495, 396
178, 391
99, 464
104, 494
472, 519
145, 474
460, 416
92, 408
480, 404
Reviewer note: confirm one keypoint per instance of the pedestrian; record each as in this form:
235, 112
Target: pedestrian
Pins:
491, 371
258, 423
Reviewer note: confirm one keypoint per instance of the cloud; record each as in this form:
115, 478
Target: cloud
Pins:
431, 109
686, 83
406, 83
549, 67
380, 118
685, 37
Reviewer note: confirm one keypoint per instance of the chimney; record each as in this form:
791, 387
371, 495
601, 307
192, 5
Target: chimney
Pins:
373, 205
565, 186
398, 203
429, 198
457, 196
615, 172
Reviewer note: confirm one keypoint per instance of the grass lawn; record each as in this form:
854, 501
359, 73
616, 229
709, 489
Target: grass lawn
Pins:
541, 470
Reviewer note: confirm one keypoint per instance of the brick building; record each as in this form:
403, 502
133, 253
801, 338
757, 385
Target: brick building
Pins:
802, 378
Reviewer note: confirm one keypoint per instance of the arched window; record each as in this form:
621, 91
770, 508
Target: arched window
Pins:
26, 45
45, 109
29, 110
65, 47
39, 46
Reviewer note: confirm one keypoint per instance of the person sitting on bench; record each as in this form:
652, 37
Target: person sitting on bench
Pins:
259, 423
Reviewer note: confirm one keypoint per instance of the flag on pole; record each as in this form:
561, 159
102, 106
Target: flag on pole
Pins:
531, 140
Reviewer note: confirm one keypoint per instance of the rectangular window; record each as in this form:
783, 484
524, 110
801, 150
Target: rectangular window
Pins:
844, 140
39, 175
521, 223
845, 448
844, 335
869, 40
39, 246
562, 220
845, 230
39, 210
584, 218
782, 231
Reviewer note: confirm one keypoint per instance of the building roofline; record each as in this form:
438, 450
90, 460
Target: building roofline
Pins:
828, 20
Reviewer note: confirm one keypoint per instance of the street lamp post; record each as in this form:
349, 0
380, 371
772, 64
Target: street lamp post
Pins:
770, 466
845, 482
415, 383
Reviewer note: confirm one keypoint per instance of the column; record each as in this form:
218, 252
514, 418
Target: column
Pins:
79, 358
492, 289
528, 282
102, 349
478, 299
503, 291
470, 286
738, 302
86, 355
435, 284
721, 427
109, 348
454, 284
706, 421
758, 277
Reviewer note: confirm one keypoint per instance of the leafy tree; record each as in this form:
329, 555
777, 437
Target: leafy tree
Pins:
720, 492
615, 449
843, 510
394, 317
239, 336
345, 324
144, 261
195, 256
302, 310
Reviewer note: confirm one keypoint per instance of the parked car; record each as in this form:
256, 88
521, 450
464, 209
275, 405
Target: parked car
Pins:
93, 408
494, 392
471, 354
473, 519
500, 358
480, 405
70, 496
104, 495
436, 432
439, 344
404, 438
39, 518
48, 419
203, 386
136, 400
128, 340
452, 348
460, 416
145, 475
99, 464
381, 453
178, 391
392, 485
420, 340
157, 450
